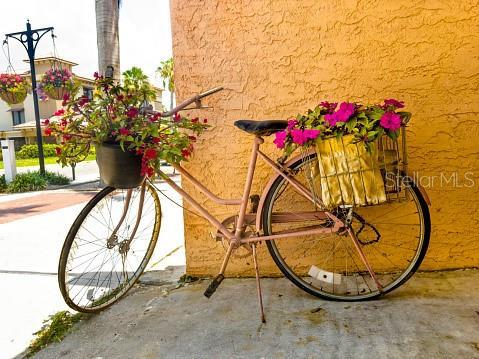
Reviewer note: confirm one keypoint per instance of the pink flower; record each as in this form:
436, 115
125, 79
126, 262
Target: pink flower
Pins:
394, 103
390, 121
292, 123
346, 110
329, 106
300, 137
279, 139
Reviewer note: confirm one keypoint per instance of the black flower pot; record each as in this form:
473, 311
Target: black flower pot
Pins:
117, 168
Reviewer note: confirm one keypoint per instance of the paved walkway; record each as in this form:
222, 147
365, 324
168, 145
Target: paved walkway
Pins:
33, 227
41, 202
435, 315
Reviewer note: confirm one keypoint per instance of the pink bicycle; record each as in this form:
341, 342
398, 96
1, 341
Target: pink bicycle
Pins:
347, 253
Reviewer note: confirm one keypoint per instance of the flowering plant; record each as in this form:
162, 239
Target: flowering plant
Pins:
115, 115
53, 79
13, 87
365, 122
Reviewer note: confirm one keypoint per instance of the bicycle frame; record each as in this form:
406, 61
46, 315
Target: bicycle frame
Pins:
245, 218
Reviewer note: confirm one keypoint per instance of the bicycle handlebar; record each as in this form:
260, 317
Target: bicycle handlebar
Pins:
195, 99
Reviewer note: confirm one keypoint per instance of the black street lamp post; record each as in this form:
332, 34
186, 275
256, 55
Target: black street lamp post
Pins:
29, 39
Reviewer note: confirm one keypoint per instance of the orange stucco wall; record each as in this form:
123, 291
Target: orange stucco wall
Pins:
277, 58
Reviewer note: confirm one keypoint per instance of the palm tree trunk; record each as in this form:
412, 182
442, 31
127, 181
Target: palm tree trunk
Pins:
108, 41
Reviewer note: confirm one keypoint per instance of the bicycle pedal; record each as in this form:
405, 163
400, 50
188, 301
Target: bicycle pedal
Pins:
214, 285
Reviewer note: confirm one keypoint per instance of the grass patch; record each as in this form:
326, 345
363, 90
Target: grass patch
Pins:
54, 329
48, 161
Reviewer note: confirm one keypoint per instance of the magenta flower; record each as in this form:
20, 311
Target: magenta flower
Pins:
393, 102
292, 123
329, 106
279, 139
390, 121
300, 137
346, 110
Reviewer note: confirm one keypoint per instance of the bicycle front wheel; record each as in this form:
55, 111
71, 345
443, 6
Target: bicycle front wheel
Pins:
97, 267
393, 237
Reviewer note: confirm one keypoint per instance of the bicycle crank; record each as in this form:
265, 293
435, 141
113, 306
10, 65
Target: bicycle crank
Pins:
244, 250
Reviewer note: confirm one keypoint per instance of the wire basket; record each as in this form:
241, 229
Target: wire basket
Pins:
348, 174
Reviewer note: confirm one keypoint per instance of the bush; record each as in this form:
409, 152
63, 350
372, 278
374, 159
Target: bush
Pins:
3, 184
56, 178
26, 182
34, 181
31, 151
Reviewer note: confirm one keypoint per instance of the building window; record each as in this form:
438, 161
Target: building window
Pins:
18, 117
88, 93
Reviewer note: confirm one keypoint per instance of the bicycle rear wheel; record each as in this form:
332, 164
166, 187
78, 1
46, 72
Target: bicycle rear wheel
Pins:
96, 269
393, 236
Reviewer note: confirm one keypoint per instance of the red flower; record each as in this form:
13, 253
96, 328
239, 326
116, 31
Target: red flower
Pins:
156, 140
124, 131
393, 102
147, 171
59, 112
139, 151
132, 112
205, 120
185, 153
96, 75
83, 100
67, 137
195, 120
48, 131
58, 150
150, 154
192, 138
155, 117
46, 122
177, 117
120, 97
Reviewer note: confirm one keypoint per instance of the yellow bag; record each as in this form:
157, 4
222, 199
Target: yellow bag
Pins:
349, 173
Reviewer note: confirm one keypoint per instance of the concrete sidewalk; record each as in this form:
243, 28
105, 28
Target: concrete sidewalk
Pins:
33, 227
435, 315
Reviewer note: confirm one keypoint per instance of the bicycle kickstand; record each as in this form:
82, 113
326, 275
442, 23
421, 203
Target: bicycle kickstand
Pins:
258, 284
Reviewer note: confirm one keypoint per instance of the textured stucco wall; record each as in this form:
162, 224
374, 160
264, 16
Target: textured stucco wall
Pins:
280, 57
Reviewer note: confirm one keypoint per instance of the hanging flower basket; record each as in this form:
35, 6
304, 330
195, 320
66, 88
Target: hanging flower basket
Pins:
118, 169
56, 84
13, 88
57, 93
130, 143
